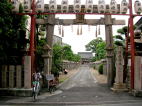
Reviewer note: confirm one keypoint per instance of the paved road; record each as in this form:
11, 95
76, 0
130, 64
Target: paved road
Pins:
82, 89
83, 78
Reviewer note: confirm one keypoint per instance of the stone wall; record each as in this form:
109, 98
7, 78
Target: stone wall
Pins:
70, 65
98, 63
15, 80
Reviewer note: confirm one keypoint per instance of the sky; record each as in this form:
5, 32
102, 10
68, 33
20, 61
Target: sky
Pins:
78, 42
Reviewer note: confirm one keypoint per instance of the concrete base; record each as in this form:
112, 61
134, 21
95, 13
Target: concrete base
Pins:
15, 92
137, 93
119, 87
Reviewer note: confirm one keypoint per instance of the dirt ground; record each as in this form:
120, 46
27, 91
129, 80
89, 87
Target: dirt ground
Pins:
102, 79
64, 77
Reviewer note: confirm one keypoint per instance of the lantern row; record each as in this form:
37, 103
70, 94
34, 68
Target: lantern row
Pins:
113, 7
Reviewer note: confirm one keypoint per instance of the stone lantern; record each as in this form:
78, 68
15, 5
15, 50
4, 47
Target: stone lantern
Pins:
64, 6
77, 6
46, 55
15, 4
27, 5
124, 7
89, 6
101, 6
137, 7
40, 5
52, 6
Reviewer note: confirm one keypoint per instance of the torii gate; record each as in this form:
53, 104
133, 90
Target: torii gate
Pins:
108, 27
107, 21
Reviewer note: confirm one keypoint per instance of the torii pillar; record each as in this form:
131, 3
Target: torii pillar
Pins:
109, 50
49, 37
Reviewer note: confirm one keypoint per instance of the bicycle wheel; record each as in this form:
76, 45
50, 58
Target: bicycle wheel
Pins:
34, 94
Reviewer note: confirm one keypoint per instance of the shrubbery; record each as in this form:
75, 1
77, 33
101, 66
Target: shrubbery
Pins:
100, 69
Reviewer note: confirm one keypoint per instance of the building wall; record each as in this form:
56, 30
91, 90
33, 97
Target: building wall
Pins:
57, 39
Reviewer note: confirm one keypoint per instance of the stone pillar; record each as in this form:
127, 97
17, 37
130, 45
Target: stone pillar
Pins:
119, 85
138, 76
18, 73
11, 76
49, 35
27, 72
110, 50
4, 80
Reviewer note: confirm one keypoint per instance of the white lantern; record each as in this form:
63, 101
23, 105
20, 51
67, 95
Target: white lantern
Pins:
138, 7
77, 6
124, 7
101, 6
15, 4
113, 6
27, 5
64, 6
52, 6
40, 5
89, 6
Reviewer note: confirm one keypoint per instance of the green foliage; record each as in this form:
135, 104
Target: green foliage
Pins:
97, 46
100, 69
11, 38
100, 51
91, 46
61, 53
39, 53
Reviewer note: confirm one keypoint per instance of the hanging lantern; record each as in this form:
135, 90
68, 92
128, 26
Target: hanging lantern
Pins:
40, 5
89, 6
59, 29
27, 5
52, 6
77, 6
81, 30
78, 30
15, 4
99, 30
62, 31
89, 28
64, 6
101, 6
96, 32
124, 7
113, 6
72, 28
138, 7
95, 9
107, 8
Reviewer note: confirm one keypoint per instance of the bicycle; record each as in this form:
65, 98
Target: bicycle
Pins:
36, 89
52, 86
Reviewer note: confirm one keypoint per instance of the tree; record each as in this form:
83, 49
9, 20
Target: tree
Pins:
97, 46
91, 46
61, 53
12, 33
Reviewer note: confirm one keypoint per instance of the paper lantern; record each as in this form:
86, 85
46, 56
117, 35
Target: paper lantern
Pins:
89, 6
101, 6
52, 6
64, 6
77, 6
40, 5
113, 6
124, 7
15, 4
27, 5
137, 7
